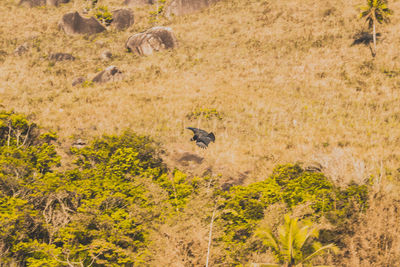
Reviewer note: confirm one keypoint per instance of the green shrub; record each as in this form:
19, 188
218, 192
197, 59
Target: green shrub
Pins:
243, 207
103, 15
103, 209
99, 212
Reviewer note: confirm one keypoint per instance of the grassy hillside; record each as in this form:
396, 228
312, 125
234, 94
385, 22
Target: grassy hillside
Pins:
283, 75
276, 81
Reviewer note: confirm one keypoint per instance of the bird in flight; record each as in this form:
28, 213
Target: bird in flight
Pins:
201, 137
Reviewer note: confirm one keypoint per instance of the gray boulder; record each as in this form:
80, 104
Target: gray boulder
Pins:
33, 3
61, 56
138, 2
152, 40
73, 23
122, 19
183, 7
110, 74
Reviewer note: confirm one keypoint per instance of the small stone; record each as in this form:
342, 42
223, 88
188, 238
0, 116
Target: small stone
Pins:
106, 55
78, 81
110, 74
21, 49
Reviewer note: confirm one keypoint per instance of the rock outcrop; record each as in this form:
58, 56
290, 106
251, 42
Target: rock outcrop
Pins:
74, 23
152, 40
110, 74
122, 19
183, 7
33, 3
61, 56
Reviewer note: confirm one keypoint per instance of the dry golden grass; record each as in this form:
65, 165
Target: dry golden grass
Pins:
284, 76
376, 239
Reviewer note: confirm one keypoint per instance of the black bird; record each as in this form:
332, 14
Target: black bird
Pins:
201, 137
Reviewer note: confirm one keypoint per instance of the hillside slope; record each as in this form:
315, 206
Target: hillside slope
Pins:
283, 77
278, 82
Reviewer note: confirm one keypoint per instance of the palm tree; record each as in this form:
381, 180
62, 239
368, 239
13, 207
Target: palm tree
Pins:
375, 11
292, 241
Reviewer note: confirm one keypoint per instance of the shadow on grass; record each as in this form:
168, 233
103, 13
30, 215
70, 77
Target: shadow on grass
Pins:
365, 38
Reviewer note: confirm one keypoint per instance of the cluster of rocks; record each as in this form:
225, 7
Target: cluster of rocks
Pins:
143, 44
74, 23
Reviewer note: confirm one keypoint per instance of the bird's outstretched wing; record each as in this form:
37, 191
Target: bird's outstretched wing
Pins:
194, 130
201, 144
203, 141
197, 130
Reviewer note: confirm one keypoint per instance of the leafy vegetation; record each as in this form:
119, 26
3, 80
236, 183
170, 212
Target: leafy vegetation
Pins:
98, 213
244, 206
300, 94
103, 210
103, 15
293, 242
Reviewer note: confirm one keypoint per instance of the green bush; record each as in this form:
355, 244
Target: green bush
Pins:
100, 212
103, 210
243, 207
103, 15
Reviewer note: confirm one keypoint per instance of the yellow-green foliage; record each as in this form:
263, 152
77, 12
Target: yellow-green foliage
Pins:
244, 206
103, 15
295, 243
98, 212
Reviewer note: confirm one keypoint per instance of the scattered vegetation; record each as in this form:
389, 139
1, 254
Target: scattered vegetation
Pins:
205, 113
103, 15
157, 13
105, 208
283, 96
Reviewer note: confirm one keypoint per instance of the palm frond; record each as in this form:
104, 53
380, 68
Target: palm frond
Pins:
320, 251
